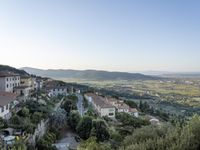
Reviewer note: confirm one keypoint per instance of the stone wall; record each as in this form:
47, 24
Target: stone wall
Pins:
39, 132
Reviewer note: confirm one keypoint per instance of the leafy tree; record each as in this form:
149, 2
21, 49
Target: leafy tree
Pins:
24, 112
36, 117
46, 142
84, 127
16, 120
72, 97
74, 119
27, 125
2, 123
69, 105
129, 120
58, 119
131, 104
91, 144
174, 138
100, 130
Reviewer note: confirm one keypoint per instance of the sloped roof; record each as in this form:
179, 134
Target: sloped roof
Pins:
6, 74
6, 98
133, 110
100, 101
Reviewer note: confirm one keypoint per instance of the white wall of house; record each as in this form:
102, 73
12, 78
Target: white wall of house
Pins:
56, 92
5, 112
136, 114
110, 112
123, 110
8, 83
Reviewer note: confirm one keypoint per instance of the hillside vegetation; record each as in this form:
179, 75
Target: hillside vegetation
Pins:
5, 68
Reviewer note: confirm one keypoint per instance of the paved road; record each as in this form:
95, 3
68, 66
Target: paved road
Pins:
80, 104
67, 141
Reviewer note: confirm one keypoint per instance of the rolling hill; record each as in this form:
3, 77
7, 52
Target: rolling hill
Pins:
88, 74
5, 68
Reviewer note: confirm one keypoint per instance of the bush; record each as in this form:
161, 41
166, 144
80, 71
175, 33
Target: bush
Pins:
36, 117
74, 119
175, 138
24, 112
84, 127
46, 142
100, 130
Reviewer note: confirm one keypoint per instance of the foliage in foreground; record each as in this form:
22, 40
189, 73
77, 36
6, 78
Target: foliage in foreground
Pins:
91, 144
46, 142
172, 138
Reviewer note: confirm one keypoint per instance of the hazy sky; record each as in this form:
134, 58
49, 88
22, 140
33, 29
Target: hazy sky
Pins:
121, 35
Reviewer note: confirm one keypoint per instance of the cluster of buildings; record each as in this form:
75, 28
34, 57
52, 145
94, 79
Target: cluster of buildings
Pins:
13, 89
100, 104
57, 90
107, 106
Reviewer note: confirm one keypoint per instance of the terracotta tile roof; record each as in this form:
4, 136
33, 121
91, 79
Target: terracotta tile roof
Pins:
133, 110
123, 106
6, 98
100, 101
5, 74
21, 87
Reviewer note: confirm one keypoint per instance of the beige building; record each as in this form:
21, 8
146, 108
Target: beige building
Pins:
27, 81
100, 104
8, 81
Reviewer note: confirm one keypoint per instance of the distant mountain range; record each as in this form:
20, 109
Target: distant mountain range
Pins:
88, 74
182, 75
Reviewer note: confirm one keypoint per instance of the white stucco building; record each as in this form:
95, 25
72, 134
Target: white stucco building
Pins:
27, 81
8, 81
55, 91
7, 103
100, 104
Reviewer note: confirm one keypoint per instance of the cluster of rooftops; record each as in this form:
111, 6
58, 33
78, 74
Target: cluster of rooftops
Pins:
102, 102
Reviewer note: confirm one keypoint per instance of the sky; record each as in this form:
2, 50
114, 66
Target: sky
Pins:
115, 35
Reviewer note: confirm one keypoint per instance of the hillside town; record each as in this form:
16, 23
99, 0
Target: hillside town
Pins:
35, 99
40, 113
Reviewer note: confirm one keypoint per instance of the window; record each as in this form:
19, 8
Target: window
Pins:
111, 114
7, 107
2, 109
7, 79
7, 85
